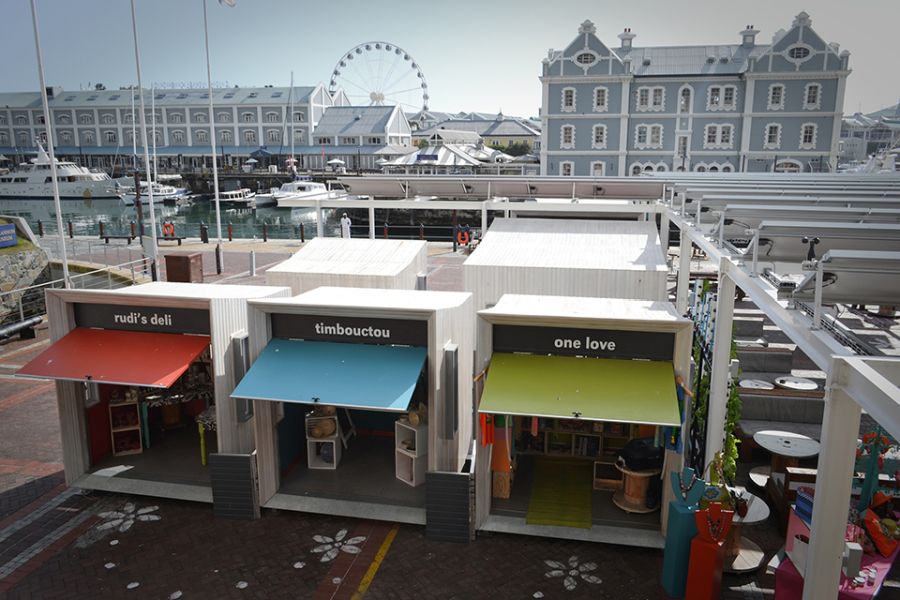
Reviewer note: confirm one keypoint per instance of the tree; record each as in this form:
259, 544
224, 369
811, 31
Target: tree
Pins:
518, 149
422, 144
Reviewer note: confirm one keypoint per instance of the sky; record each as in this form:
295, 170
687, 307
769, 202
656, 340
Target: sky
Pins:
474, 55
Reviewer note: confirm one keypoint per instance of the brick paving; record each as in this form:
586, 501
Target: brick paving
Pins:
55, 543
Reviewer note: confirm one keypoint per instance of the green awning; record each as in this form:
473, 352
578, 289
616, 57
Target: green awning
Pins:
597, 389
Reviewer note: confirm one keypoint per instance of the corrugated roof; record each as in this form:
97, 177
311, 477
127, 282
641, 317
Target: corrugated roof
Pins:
727, 59
162, 97
355, 120
484, 128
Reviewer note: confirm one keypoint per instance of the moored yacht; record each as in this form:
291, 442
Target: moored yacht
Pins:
33, 181
298, 194
161, 193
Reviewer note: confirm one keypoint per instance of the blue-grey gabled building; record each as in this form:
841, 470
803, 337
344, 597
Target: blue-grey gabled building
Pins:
738, 107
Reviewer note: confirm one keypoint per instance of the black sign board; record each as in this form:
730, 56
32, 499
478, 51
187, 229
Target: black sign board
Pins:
161, 319
360, 330
602, 343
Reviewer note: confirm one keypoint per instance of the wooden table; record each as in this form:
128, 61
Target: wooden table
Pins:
755, 384
632, 498
800, 384
742, 554
787, 448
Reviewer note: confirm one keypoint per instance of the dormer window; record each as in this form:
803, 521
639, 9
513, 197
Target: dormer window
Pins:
586, 58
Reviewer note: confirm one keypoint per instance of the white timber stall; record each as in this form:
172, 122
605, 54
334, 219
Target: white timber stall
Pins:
180, 310
439, 322
644, 331
566, 257
387, 264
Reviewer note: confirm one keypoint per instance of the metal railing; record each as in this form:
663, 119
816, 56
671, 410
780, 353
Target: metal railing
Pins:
21, 303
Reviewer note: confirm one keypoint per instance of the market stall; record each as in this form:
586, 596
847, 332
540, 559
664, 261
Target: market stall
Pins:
359, 396
567, 386
142, 378
388, 264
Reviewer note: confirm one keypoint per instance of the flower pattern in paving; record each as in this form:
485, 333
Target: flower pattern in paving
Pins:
331, 547
571, 572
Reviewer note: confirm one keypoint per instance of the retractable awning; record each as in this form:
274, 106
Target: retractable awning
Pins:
566, 387
121, 357
356, 376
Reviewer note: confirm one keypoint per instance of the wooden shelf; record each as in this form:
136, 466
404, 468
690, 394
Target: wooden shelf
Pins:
410, 457
597, 432
125, 428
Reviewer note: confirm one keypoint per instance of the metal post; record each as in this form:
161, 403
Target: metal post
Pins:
102, 227
265, 232
40, 228
385, 231
421, 231
371, 222
320, 220
664, 231
817, 299
302, 234
212, 140
684, 271
252, 263
48, 127
722, 229
453, 232
755, 242
484, 218
133, 231
721, 360
71, 229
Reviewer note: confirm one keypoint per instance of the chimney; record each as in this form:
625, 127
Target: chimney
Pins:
626, 37
748, 36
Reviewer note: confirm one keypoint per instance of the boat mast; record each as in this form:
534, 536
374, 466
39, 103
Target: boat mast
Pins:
133, 135
291, 117
153, 128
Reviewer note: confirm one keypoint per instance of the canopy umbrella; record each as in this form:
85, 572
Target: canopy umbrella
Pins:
260, 153
251, 161
335, 161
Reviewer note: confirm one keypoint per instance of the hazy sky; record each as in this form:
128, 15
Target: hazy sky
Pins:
483, 55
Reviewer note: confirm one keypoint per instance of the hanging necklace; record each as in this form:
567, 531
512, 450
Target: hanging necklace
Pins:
714, 527
685, 489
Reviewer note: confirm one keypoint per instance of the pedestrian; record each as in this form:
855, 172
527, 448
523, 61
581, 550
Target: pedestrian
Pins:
345, 226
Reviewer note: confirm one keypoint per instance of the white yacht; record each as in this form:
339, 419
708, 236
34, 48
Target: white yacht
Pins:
167, 194
241, 198
296, 194
33, 181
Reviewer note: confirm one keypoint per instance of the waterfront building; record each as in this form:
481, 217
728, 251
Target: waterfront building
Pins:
735, 107
361, 136
499, 131
862, 135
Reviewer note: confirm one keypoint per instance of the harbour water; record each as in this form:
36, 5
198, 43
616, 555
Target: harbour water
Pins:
85, 216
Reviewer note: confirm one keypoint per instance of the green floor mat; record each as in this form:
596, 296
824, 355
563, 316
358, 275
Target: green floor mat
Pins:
561, 493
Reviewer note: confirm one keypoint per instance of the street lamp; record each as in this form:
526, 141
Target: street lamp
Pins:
48, 127
212, 139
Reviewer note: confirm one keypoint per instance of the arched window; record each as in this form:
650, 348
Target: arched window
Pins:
684, 100
88, 137
201, 117
714, 169
107, 119
86, 119
202, 136
226, 137
636, 170
701, 169
248, 117
273, 136
272, 117
223, 116
65, 137
111, 137
250, 137
178, 137
176, 118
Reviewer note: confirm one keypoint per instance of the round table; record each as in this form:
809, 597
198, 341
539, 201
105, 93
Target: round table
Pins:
786, 447
742, 554
755, 384
632, 498
800, 384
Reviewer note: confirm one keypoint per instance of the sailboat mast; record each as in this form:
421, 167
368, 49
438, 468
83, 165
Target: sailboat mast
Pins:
153, 127
133, 135
291, 117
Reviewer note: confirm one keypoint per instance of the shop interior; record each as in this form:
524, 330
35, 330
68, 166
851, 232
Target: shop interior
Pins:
162, 434
563, 472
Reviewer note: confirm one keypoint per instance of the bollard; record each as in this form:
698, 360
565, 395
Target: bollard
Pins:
71, 229
102, 227
132, 230
40, 228
230, 232
385, 231
302, 234
453, 233
265, 232
204, 233
421, 231
252, 263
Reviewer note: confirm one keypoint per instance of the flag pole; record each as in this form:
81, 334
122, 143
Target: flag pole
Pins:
154, 255
48, 128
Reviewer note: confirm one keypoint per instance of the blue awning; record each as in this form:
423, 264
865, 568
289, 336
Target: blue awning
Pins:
356, 376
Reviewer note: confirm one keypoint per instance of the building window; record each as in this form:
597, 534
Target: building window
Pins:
648, 136
248, 117
21, 120
223, 116
776, 97
39, 119
640, 136
712, 136
566, 168
111, 137
373, 140
598, 140
23, 138
202, 136
250, 137
656, 136
226, 137
568, 99
107, 119
812, 96
808, 133
721, 97
272, 117
200, 117
725, 135
598, 168
64, 119
176, 118
86, 119
727, 168
273, 136
349, 141
788, 166
601, 99
651, 99
636, 170
684, 100
718, 136
299, 117
798, 53
586, 58
567, 137
682, 145
178, 137
4, 138
128, 118
701, 168
773, 137
2, 119
88, 137
299, 135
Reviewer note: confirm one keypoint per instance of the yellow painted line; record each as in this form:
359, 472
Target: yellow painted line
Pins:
376, 564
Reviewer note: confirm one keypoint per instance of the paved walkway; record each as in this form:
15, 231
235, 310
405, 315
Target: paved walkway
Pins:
56, 542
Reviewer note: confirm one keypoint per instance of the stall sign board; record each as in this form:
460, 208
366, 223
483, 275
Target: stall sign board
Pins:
359, 330
160, 319
599, 343
8, 236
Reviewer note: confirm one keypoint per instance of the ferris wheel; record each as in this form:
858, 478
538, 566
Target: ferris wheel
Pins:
380, 74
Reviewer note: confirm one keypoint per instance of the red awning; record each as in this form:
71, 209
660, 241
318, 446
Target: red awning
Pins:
123, 357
